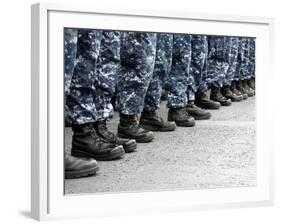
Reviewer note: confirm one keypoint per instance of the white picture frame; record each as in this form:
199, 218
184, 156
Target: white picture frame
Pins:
48, 200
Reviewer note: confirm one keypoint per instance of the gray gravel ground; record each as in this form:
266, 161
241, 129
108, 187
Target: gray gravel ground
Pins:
219, 152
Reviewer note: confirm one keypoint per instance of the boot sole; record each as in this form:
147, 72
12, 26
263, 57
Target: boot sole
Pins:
130, 148
117, 153
244, 95
145, 139
208, 108
204, 117
225, 104
81, 173
185, 124
234, 100
250, 95
160, 129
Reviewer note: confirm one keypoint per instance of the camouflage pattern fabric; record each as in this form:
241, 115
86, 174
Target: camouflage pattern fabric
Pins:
94, 75
217, 65
231, 55
179, 76
162, 68
108, 67
238, 61
243, 67
138, 52
70, 50
198, 66
252, 41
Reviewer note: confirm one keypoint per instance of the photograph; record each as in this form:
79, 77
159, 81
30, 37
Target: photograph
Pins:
161, 110
154, 111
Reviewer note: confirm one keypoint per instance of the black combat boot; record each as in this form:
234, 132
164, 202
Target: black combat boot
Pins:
202, 100
129, 128
197, 113
217, 96
129, 145
249, 91
151, 121
79, 167
251, 83
87, 143
181, 117
227, 93
239, 87
234, 89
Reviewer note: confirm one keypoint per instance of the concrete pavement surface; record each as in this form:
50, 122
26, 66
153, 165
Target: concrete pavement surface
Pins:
216, 153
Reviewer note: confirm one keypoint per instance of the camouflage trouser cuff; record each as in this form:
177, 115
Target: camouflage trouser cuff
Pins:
216, 83
104, 115
129, 111
175, 106
236, 77
177, 102
227, 83
202, 88
80, 121
248, 77
228, 80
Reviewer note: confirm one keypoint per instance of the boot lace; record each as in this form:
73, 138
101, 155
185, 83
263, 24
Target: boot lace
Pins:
94, 135
104, 132
158, 118
133, 121
220, 96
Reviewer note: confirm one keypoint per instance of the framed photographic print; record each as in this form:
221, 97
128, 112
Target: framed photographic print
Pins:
138, 111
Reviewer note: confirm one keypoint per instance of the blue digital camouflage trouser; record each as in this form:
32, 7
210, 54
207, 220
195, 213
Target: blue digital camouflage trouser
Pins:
243, 70
138, 51
162, 68
179, 77
245, 59
70, 50
217, 65
237, 74
198, 66
252, 56
231, 55
93, 81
